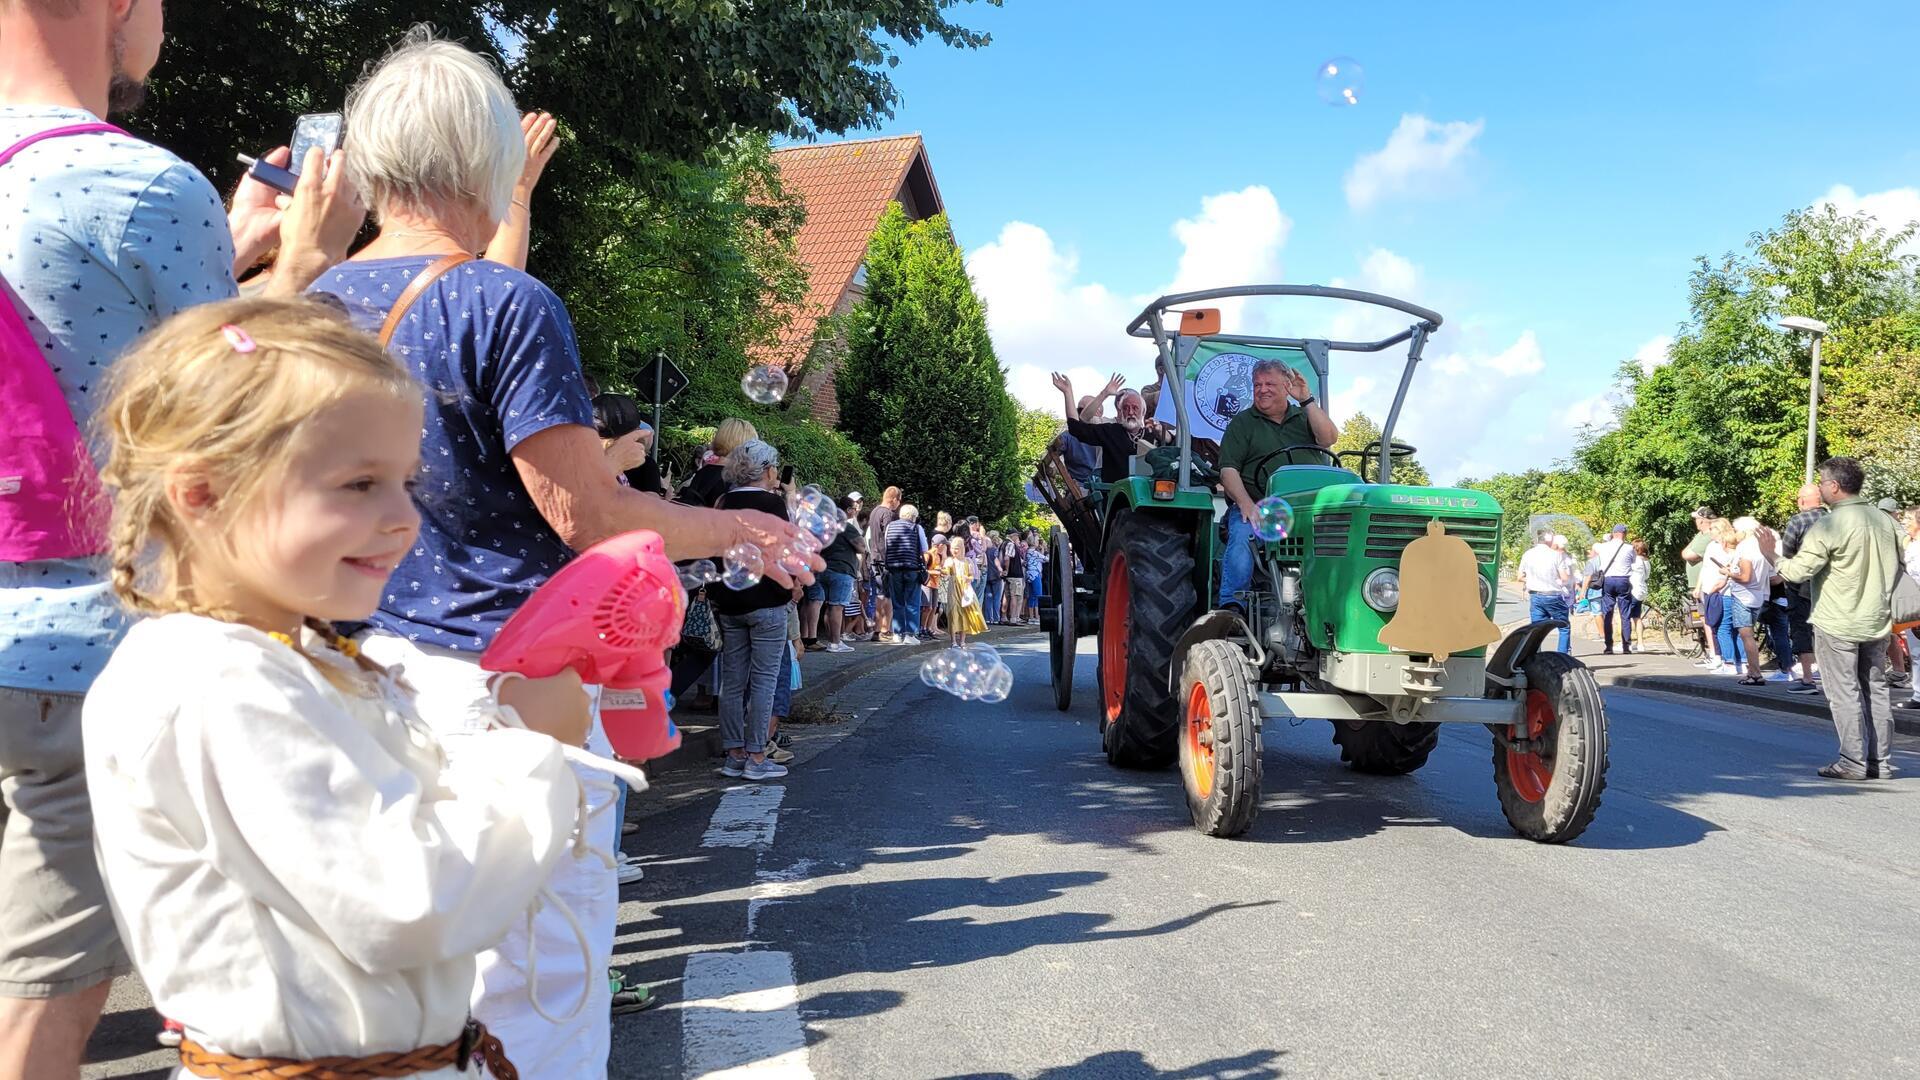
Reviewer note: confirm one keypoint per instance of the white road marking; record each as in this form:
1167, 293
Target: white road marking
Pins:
746, 817
773, 887
740, 1018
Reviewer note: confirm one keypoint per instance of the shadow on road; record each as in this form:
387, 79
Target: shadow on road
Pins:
1131, 1064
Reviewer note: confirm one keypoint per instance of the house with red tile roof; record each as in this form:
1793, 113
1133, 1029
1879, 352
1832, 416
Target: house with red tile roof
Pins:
845, 186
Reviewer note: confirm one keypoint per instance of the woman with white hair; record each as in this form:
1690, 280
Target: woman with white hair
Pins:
753, 625
513, 478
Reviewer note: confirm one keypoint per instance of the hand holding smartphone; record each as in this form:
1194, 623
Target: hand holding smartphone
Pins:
320, 131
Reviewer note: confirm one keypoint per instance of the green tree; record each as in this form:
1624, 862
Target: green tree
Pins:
1723, 424
1034, 430
1872, 406
1360, 432
920, 387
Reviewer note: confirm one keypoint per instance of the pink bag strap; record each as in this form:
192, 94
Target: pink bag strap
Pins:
55, 133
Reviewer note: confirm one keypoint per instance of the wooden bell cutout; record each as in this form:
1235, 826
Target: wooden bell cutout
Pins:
1440, 611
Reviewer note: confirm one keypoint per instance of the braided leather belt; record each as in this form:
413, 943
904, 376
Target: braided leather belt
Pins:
474, 1040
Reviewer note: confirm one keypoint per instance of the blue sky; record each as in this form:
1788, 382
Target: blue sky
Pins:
1542, 178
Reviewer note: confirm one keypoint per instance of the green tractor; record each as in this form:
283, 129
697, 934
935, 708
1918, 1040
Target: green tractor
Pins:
1372, 612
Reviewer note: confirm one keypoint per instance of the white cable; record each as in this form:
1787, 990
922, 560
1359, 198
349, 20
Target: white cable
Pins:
533, 958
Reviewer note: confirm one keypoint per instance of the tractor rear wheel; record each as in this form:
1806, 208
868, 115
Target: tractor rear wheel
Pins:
1383, 748
1551, 792
1219, 739
1146, 603
1064, 639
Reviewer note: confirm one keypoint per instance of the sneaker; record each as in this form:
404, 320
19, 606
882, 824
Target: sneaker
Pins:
1707, 662
1907, 705
628, 999
779, 756
1841, 771
765, 770
734, 766
1900, 680
1780, 676
171, 1034
838, 646
1880, 770
626, 869
783, 740
1608, 651
1803, 688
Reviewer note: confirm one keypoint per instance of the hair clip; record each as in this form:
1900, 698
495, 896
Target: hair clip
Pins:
241, 341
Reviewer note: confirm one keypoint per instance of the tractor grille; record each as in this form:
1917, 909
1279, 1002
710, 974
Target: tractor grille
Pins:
1389, 534
1330, 533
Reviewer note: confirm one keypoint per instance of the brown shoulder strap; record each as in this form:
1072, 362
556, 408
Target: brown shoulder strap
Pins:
414, 288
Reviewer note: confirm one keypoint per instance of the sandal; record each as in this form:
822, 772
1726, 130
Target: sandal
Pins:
1753, 680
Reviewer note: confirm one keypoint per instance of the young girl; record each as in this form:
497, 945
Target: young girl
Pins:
961, 599
297, 871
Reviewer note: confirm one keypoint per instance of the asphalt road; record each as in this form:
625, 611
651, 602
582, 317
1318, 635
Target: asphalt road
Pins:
958, 889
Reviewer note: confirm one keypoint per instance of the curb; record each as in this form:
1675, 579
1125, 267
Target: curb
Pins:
1810, 706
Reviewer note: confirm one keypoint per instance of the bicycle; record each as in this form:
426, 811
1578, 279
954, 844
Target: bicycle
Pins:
1683, 630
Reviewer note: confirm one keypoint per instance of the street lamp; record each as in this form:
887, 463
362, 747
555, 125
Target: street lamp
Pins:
1818, 329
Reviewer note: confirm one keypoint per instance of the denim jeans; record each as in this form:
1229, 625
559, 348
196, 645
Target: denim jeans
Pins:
1779, 634
783, 686
1034, 592
1733, 616
751, 648
903, 588
1236, 562
1616, 594
990, 599
1548, 606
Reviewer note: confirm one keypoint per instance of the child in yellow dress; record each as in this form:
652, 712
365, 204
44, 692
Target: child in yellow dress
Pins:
961, 601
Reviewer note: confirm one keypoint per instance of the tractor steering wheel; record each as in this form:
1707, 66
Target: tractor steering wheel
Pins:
1290, 450
1400, 452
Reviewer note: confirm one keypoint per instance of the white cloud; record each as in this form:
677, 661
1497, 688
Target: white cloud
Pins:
1656, 352
1384, 272
1520, 358
1045, 319
1594, 412
1419, 155
1892, 210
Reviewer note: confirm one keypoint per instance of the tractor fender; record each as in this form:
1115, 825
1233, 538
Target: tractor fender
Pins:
1214, 624
1515, 650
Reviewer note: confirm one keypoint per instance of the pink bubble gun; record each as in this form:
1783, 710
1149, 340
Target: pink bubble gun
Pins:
610, 615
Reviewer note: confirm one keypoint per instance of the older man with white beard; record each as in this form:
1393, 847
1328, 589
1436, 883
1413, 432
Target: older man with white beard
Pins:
1118, 440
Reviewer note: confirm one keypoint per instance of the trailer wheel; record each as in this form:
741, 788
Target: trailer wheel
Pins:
1219, 739
1147, 599
1551, 793
1064, 638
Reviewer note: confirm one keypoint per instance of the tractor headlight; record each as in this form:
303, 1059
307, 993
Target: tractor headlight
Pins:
1486, 591
1381, 590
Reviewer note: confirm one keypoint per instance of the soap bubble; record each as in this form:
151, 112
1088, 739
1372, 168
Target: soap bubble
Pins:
816, 515
793, 561
765, 384
702, 572
1272, 518
969, 672
999, 686
745, 565
1340, 81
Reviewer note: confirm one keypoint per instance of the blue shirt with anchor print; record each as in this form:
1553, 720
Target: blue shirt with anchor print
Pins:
495, 351
102, 237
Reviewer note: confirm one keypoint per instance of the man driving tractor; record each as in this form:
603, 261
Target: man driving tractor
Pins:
1284, 414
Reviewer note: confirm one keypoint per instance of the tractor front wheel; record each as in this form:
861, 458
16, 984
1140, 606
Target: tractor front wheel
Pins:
1219, 739
1550, 787
1146, 603
1382, 748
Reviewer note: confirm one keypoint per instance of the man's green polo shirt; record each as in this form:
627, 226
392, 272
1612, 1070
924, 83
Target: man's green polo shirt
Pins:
1253, 435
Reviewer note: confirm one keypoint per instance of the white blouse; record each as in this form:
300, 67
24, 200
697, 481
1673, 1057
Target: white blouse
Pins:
297, 871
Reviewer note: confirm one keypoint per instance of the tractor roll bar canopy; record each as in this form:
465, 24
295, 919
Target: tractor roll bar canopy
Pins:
1151, 324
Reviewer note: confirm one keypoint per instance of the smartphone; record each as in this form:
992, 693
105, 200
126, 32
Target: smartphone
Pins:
322, 130
786, 476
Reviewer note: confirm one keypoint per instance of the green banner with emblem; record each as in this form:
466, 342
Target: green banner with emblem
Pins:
1218, 383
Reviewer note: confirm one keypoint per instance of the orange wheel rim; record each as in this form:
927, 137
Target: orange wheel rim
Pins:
1114, 623
1532, 774
1199, 750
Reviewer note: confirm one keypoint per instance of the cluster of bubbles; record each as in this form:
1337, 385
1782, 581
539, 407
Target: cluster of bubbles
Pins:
1272, 518
819, 520
970, 673
765, 384
1339, 81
